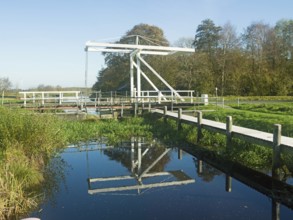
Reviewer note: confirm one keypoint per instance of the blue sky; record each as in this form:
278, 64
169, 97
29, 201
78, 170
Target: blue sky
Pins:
42, 41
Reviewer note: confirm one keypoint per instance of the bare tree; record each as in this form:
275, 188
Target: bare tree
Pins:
184, 42
5, 84
227, 42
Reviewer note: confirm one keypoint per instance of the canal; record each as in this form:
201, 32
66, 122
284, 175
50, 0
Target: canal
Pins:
137, 180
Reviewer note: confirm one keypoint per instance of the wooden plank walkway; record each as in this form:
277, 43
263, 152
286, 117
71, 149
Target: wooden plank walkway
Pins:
247, 134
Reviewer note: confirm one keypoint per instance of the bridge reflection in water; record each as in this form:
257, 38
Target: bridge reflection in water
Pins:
139, 174
153, 181
146, 163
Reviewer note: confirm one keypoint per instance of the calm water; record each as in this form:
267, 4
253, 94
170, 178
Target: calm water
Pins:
139, 181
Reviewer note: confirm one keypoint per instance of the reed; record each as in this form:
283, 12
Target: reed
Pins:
27, 142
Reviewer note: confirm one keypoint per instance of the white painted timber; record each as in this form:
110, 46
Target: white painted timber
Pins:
252, 135
135, 50
92, 44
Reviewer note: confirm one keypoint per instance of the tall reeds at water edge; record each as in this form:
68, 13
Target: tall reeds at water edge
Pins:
27, 141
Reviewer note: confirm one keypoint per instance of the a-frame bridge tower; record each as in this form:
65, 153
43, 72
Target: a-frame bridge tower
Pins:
136, 60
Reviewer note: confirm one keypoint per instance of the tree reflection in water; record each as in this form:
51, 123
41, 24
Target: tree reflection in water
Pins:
54, 175
146, 166
123, 152
206, 171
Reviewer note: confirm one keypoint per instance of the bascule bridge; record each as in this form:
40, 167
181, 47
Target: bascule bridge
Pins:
136, 52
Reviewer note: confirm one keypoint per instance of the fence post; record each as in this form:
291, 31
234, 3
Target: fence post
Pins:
179, 154
199, 166
199, 121
150, 106
24, 99
179, 119
228, 132
165, 114
276, 150
122, 110
228, 184
43, 98
135, 109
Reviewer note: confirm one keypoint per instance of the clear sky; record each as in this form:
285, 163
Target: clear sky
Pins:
42, 41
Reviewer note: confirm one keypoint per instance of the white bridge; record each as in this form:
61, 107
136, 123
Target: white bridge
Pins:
137, 94
97, 98
136, 60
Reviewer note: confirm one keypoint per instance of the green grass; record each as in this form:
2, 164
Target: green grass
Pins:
255, 117
258, 98
28, 141
275, 108
259, 116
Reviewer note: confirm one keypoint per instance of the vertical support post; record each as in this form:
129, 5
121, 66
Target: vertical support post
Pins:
150, 106
60, 98
199, 122
112, 112
138, 77
43, 98
122, 106
275, 210
132, 154
131, 78
135, 108
191, 97
159, 97
179, 154
179, 118
111, 99
276, 150
165, 114
24, 99
134, 99
34, 97
139, 156
228, 183
228, 132
86, 69
199, 166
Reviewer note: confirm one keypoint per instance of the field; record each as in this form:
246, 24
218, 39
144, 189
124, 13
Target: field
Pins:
259, 113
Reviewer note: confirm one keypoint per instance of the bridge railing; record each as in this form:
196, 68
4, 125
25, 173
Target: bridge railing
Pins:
110, 98
143, 96
43, 97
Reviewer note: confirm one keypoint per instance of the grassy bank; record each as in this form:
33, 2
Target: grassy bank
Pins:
29, 141
257, 116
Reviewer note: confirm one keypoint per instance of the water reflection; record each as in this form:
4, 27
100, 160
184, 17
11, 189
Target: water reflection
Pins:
153, 181
279, 191
146, 163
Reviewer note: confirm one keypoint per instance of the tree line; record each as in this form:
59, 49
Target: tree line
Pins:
256, 62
